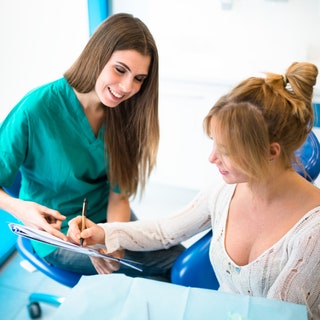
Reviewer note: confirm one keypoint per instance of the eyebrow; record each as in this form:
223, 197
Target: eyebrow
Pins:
127, 67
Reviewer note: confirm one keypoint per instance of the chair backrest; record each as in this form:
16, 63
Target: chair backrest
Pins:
309, 155
193, 268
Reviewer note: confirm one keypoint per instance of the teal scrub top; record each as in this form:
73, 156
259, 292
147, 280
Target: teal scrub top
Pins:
49, 139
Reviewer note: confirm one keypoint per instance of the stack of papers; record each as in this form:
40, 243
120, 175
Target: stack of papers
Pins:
45, 237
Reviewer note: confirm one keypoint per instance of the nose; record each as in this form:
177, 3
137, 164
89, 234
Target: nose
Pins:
126, 85
213, 157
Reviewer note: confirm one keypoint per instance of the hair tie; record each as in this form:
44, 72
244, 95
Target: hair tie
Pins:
285, 81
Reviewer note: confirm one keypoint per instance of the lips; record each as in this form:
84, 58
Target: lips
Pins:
116, 94
223, 172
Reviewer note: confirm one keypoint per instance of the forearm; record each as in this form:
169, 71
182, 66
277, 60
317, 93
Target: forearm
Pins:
135, 236
33, 214
157, 234
118, 208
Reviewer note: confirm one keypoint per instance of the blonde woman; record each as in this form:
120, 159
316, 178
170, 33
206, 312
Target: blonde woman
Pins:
265, 217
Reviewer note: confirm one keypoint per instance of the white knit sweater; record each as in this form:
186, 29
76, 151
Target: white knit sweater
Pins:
289, 270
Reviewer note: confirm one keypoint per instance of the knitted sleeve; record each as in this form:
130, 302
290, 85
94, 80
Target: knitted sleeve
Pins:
144, 235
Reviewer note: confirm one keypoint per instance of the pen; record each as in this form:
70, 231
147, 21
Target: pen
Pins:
83, 220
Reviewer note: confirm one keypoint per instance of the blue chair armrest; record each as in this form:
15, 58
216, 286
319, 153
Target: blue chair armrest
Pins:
193, 267
62, 276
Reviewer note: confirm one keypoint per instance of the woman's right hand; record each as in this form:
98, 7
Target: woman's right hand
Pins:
39, 217
93, 233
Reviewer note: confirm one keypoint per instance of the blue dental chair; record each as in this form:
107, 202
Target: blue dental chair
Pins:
309, 155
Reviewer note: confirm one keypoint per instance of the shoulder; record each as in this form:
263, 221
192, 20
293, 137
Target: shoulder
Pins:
217, 196
222, 193
49, 95
46, 90
307, 229
310, 219
41, 102
36, 93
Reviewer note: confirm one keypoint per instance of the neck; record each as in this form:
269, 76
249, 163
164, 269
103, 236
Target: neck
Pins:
93, 109
276, 186
89, 100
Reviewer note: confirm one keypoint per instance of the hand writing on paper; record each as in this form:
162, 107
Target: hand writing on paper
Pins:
93, 234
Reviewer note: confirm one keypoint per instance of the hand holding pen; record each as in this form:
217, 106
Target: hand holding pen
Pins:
83, 218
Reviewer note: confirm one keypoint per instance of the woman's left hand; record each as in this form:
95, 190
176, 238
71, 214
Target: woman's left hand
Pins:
106, 266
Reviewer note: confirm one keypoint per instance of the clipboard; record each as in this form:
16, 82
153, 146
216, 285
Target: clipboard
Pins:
45, 237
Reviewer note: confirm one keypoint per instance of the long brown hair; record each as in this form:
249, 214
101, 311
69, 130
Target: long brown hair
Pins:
132, 128
260, 111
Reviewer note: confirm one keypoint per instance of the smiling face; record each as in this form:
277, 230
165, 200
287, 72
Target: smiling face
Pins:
229, 172
122, 77
220, 156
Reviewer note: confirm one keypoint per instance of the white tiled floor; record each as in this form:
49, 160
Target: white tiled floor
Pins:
16, 284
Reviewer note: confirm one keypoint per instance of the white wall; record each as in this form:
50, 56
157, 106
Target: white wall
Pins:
204, 51
199, 41
39, 41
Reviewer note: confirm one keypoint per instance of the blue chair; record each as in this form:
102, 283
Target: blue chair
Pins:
193, 268
8, 238
8, 243
309, 155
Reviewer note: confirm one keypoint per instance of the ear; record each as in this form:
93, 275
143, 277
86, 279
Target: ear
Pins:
275, 149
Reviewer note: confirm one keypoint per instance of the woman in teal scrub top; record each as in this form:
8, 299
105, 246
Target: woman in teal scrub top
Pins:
92, 134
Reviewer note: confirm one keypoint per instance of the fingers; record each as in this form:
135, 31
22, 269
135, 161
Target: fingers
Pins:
55, 214
119, 254
76, 223
52, 216
104, 266
74, 230
43, 225
45, 219
56, 233
52, 219
75, 233
93, 234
